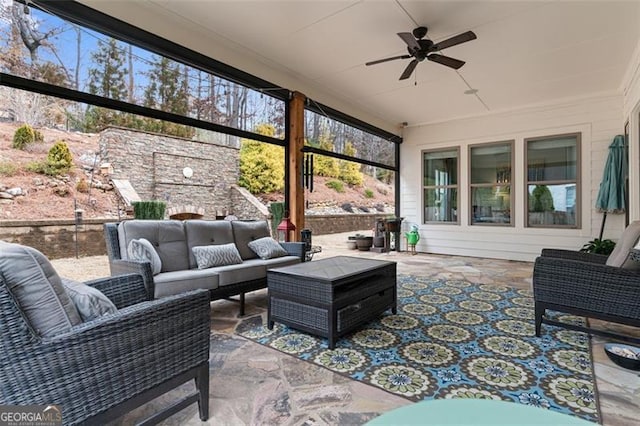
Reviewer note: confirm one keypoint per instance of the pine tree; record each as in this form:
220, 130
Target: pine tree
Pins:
107, 77
168, 90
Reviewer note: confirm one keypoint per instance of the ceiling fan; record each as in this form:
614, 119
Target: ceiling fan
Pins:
420, 49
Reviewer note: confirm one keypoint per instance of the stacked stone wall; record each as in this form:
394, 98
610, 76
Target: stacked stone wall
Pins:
154, 165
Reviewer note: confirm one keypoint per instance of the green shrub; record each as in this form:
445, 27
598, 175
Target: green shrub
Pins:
8, 169
368, 193
153, 209
350, 171
335, 185
261, 164
59, 157
599, 246
23, 136
43, 168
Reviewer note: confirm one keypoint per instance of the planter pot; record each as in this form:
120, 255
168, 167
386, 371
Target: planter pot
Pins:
352, 245
364, 243
378, 241
393, 225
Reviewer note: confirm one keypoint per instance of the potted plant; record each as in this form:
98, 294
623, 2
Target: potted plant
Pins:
599, 246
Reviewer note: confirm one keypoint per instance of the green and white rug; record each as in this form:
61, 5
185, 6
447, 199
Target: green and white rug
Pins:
455, 339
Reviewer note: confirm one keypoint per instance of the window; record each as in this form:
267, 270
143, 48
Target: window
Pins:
440, 185
490, 182
553, 184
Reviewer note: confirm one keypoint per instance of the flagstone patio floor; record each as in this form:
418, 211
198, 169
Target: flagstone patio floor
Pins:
255, 385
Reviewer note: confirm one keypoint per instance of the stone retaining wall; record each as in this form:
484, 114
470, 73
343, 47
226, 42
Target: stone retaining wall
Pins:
154, 165
56, 238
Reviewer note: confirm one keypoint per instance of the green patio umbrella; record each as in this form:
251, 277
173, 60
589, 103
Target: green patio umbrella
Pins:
612, 196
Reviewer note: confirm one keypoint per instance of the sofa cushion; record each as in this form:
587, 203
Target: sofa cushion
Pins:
177, 282
249, 270
247, 231
620, 255
90, 302
167, 237
267, 248
204, 233
141, 249
37, 289
280, 261
216, 255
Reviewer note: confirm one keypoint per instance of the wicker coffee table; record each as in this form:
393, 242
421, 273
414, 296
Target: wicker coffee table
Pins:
331, 297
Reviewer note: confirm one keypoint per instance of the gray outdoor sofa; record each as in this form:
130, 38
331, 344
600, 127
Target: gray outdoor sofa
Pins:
174, 242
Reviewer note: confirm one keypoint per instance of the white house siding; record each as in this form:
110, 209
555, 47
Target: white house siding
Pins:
598, 119
631, 90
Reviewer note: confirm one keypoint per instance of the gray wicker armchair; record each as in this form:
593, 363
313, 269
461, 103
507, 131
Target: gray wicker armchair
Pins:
104, 368
590, 285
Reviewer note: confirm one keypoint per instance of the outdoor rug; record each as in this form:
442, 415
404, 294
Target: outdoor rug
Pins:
455, 339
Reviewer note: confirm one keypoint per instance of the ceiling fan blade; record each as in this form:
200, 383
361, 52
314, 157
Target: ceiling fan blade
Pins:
409, 69
379, 61
460, 38
445, 60
410, 40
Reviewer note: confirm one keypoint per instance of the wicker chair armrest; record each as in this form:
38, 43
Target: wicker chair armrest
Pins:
295, 249
125, 267
588, 286
122, 290
121, 354
575, 255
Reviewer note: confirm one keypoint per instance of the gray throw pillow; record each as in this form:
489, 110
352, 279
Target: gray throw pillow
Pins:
267, 248
216, 255
90, 302
142, 250
37, 290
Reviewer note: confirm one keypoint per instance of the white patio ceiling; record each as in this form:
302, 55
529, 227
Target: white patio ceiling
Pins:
527, 53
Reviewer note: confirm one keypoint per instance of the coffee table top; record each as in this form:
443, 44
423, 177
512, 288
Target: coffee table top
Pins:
333, 268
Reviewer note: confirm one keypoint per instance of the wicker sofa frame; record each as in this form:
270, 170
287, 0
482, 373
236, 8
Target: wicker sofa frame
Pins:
104, 368
582, 284
118, 266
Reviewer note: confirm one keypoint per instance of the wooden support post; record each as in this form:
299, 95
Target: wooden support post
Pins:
296, 158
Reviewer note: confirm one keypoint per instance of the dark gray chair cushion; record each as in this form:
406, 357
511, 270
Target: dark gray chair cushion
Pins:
204, 233
37, 289
167, 237
245, 232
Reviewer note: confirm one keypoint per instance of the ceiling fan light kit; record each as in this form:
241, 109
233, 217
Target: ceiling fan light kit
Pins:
420, 48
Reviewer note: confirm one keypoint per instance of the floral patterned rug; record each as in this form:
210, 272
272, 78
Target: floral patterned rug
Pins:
455, 339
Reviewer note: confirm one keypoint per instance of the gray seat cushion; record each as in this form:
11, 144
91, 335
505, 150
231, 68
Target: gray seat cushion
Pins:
177, 282
167, 237
37, 289
246, 231
620, 255
277, 262
248, 270
204, 233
